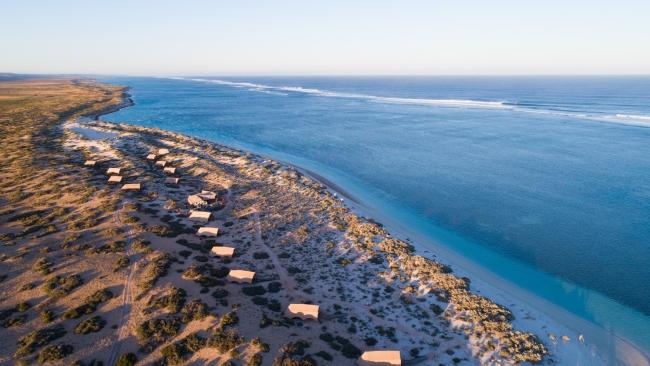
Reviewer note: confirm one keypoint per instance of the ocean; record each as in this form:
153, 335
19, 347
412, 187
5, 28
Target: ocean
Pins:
542, 181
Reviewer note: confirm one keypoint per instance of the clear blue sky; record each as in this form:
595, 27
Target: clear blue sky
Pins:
326, 37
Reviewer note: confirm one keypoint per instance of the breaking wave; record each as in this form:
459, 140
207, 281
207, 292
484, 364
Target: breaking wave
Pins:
627, 119
324, 93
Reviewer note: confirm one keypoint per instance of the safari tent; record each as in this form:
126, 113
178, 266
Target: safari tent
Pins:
131, 187
223, 251
169, 170
90, 163
151, 157
196, 201
163, 151
302, 311
115, 171
170, 180
376, 358
200, 216
241, 276
161, 163
208, 231
207, 195
114, 179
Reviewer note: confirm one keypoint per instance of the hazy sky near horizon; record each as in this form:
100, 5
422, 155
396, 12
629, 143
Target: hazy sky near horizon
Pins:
291, 37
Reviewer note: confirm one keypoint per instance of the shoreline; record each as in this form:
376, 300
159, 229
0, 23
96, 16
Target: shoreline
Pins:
479, 285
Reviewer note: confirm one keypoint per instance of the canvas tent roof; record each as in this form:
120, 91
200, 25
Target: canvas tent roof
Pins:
113, 171
151, 157
241, 276
170, 180
302, 311
131, 187
163, 151
161, 163
208, 231
90, 163
201, 216
195, 200
376, 358
223, 251
169, 170
207, 195
115, 179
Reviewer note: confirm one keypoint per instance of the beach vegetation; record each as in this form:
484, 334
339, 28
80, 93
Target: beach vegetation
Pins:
90, 325
58, 286
127, 359
54, 353
27, 344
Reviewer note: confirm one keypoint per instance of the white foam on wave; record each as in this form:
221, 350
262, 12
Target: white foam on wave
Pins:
325, 93
626, 119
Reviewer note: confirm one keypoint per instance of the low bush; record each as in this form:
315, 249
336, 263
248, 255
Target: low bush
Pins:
220, 293
172, 301
91, 325
42, 266
121, 263
89, 305
157, 268
27, 344
127, 359
230, 318
255, 360
46, 316
54, 353
194, 310
274, 287
260, 255
253, 290
224, 340
58, 286
153, 332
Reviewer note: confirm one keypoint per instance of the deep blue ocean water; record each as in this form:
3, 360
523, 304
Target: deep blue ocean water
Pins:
549, 173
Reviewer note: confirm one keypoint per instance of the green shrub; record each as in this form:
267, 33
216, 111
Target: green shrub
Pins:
260, 255
324, 355
274, 305
17, 320
220, 293
115, 246
370, 341
127, 359
46, 316
42, 266
29, 343
156, 331
274, 287
157, 268
174, 353
58, 286
23, 306
90, 304
253, 290
230, 318
121, 263
142, 246
91, 325
172, 301
54, 353
224, 340
255, 360
193, 310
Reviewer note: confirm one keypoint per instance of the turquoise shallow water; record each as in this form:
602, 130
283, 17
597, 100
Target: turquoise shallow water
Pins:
543, 181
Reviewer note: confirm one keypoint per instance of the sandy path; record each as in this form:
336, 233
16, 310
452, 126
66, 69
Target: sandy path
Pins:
288, 283
127, 296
